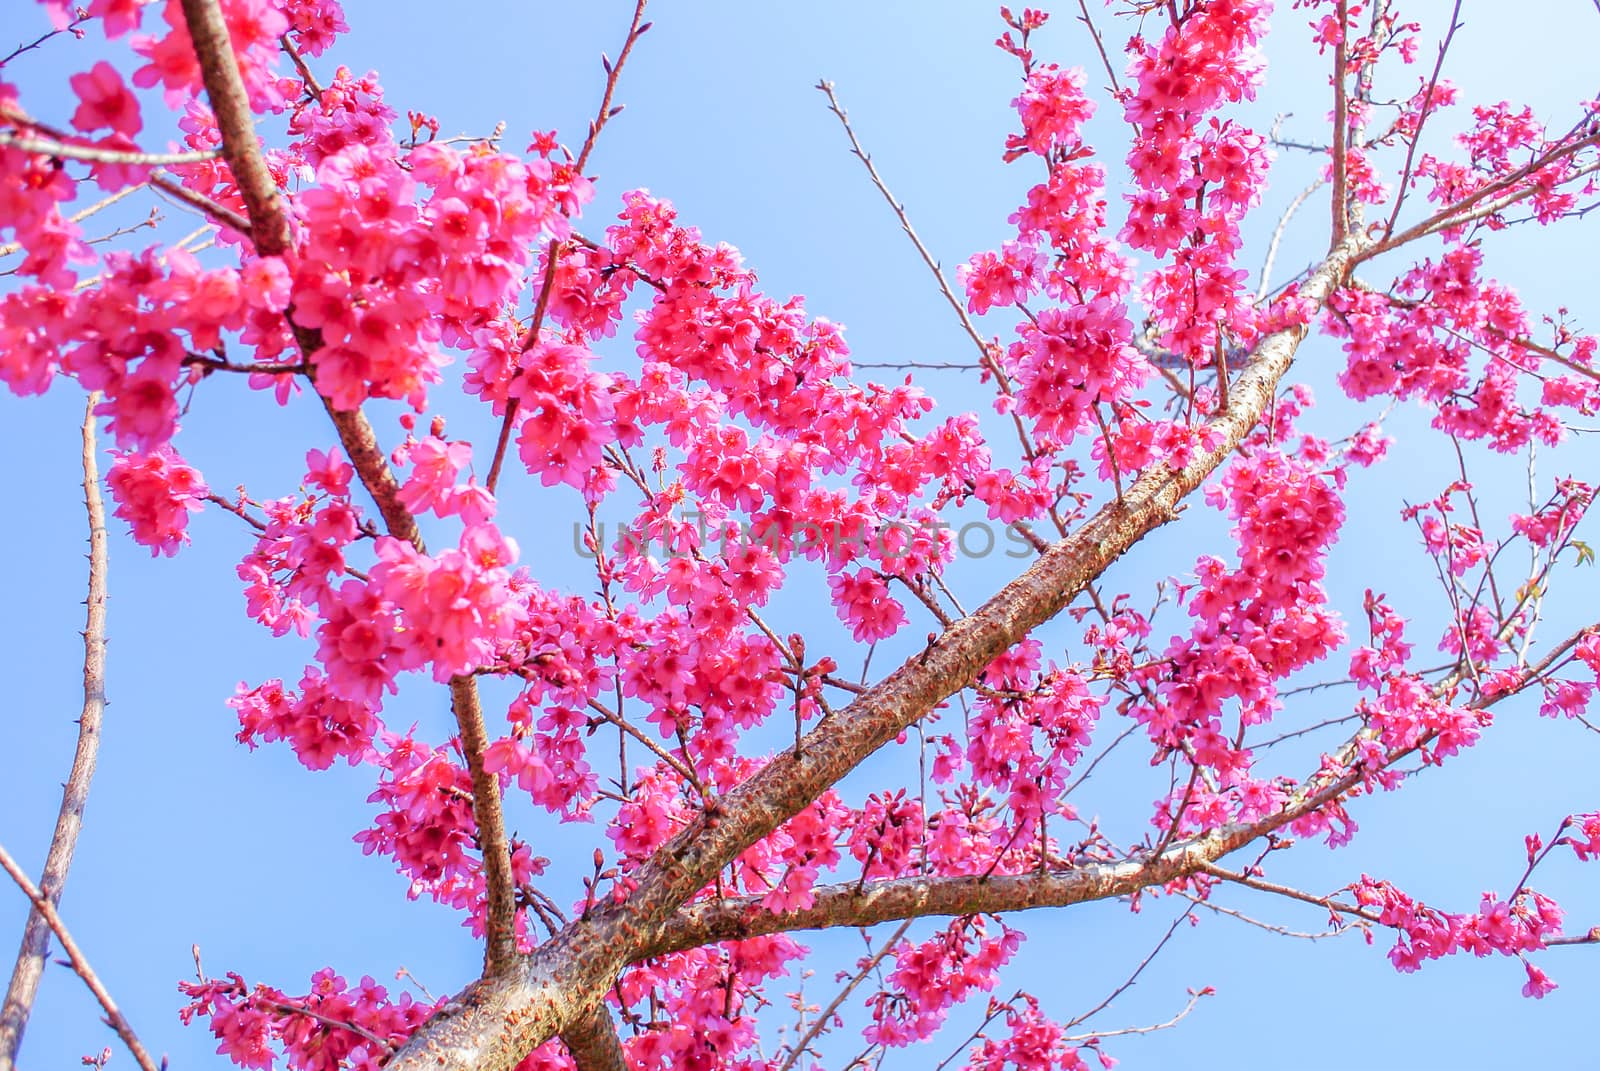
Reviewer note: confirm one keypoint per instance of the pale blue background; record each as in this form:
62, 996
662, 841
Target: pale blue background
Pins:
190, 838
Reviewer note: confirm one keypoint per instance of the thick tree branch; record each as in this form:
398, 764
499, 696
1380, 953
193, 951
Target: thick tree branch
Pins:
495, 1022
29, 969
593, 1043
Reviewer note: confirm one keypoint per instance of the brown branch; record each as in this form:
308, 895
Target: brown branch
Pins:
1488, 200
1422, 119
495, 1022
80, 965
241, 148
290, 1008
1544, 351
225, 216
1341, 133
97, 155
268, 226
501, 934
636, 29
1100, 45
300, 65
220, 214
592, 1041
29, 969
1261, 885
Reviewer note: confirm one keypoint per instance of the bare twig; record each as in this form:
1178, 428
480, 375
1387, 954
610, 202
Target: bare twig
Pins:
220, 214
820, 1024
29, 968
78, 217
1194, 998
80, 965
95, 154
899, 209
1185, 916
1100, 45
636, 29
986, 353
1422, 119
1265, 286
42, 38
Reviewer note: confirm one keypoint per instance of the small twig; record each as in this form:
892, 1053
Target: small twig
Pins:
78, 217
1187, 914
1265, 286
1422, 118
300, 65
1194, 998
1261, 885
218, 364
221, 214
821, 1022
290, 1008
69, 28
97, 155
1100, 45
636, 29
1270, 927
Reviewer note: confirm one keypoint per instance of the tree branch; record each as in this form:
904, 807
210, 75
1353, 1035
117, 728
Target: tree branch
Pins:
1341, 131
96, 154
593, 1043
241, 148
114, 1017
269, 228
29, 969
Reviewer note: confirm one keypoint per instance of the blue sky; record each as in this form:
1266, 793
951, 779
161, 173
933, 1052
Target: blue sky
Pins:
191, 839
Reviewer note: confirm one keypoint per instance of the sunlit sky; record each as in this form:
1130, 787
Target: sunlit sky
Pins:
192, 839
